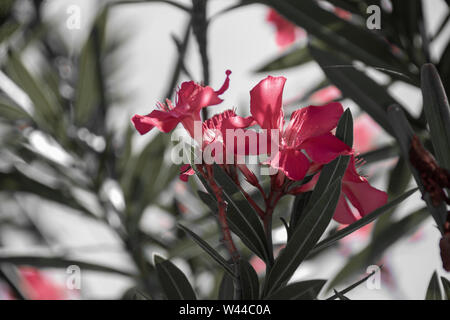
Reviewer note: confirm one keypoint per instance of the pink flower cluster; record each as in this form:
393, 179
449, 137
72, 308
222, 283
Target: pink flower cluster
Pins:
304, 145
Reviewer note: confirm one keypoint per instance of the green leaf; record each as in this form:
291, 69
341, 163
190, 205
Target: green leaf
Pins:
437, 112
60, 262
368, 94
330, 173
173, 281
47, 112
351, 287
298, 210
10, 111
404, 133
434, 290
209, 250
361, 222
304, 238
340, 295
446, 285
226, 288
344, 130
343, 36
87, 90
380, 154
293, 58
249, 281
304, 290
243, 214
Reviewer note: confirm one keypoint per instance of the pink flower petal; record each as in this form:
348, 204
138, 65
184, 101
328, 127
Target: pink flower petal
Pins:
266, 102
343, 213
364, 197
164, 121
285, 30
325, 148
314, 121
292, 162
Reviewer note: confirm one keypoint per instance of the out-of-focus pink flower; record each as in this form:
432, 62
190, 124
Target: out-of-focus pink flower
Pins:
258, 264
325, 95
40, 287
191, 98
309, 129
286, 32
366, 131
355, 189
343, 14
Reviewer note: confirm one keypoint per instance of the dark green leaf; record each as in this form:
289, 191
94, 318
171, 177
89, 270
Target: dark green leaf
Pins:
434, 290
340, 295
368, 94
293, 58
226, 288
59, 262
446, 285
380, 154
404, 134
344, 130
209, 250
343, 36
437, 112
304, 238
249, 281
173, 281
304, 290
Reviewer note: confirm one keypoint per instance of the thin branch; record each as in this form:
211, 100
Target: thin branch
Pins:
182, 47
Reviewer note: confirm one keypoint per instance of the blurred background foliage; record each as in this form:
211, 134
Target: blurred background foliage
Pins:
57, 144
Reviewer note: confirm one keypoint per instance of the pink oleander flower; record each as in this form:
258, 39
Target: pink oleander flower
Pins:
356, 190
191, 98
286, 32
39, 287
214, 135
325, 95
309, 130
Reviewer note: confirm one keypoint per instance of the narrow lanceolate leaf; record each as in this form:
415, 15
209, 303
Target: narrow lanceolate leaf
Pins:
356, 85
304, 290
434, 290
344, 130
226, 288
293, 58
46, 110
341, 35
340, 295
361, 222
446, 285
404, 134
351, 287
437, 112
209, 250
173, 281
304, 238
242, 213
249, 281
59, 262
